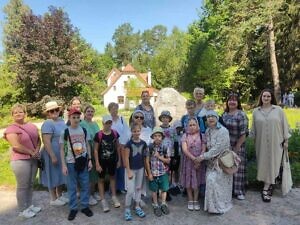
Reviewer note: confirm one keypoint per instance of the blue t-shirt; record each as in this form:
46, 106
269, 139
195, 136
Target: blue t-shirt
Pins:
137, 153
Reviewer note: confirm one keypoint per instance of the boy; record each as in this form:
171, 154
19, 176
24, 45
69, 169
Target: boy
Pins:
156, 159
190, 106
76, 162
107, 159
168, 141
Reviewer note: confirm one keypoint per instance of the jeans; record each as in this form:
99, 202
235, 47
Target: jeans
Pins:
25, 173
73, 178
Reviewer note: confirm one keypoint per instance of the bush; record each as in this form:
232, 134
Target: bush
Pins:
297, 98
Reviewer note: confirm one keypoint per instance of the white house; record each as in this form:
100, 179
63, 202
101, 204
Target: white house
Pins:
126, 85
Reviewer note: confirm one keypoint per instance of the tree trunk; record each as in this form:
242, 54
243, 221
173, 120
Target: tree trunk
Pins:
274, 67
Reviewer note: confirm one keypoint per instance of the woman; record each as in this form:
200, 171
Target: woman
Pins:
24, 139
192, 175
271, 133
138, 117
218, 193
51, 176
199, 96
236, 121
119, 124
146, 107
92, 128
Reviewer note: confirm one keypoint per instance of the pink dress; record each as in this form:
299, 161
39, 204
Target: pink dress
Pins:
190, 177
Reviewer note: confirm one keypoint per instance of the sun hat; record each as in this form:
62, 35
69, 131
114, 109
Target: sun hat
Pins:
51, 105
74, 111
157, 130
106, 118
212, 113
138, 111
165, 113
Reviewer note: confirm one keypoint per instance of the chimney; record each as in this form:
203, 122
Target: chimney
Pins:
149, 78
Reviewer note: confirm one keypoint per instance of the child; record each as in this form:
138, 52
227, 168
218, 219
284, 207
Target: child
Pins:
133, 156
76, 162
168, 141
190, 106
176, 158
107, 159
192, 174
156, 158
210, 105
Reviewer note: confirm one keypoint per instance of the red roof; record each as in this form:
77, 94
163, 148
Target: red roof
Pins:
128, 68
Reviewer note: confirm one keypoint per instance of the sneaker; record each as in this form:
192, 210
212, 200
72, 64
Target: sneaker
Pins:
27, 213
86, 211
240, 197
104, 205
72, 214
196, 206
115, 201
57, 202
96, 196
157, 211
190, 205
35, 209
92, 201
64, 199
165, 209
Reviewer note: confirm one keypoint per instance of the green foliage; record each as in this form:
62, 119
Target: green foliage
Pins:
297, 98
6, 174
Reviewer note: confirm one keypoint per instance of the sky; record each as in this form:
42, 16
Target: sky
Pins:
98, 19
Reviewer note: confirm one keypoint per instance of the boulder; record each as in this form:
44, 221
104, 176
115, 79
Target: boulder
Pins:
171, 100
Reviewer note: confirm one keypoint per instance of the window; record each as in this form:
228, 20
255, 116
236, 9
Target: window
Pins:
114, 87
121, 99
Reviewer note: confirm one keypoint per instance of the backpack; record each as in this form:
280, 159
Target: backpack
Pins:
110, 156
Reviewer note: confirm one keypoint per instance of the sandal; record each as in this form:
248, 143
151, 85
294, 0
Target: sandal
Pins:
139, 212
127, 215
270, 190
265, 196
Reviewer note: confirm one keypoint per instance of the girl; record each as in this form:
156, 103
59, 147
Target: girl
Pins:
133, 157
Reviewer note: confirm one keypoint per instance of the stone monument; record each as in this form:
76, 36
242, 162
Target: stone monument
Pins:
171, 100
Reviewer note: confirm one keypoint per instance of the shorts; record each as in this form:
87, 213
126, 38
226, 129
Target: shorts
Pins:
108, 167
159, 183
174, 163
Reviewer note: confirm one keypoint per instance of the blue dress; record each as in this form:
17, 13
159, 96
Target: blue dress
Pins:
52, 176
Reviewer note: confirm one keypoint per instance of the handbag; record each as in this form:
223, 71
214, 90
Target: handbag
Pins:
228, 161
286, 182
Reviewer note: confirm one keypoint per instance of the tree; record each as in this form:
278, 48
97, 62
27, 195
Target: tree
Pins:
49, 57
126, 43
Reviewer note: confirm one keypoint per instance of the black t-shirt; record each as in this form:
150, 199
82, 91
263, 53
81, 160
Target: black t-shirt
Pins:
107, 146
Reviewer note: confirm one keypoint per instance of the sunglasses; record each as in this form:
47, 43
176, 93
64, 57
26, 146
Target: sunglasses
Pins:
54, 110
139, 117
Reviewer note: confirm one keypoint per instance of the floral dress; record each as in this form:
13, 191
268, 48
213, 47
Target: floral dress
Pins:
190, 177
218, 192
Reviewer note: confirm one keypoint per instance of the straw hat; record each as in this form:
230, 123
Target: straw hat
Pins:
51, 105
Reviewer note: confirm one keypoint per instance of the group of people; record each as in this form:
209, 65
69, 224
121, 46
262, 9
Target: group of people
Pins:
288, 99
143, 159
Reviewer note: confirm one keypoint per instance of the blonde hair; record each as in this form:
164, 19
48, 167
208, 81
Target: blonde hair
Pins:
18, 106
210, 101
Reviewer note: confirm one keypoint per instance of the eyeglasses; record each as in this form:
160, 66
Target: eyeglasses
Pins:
54, 110
139, 117
75, 117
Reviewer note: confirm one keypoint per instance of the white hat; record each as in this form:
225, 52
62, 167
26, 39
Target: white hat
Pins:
51, 105
106, 118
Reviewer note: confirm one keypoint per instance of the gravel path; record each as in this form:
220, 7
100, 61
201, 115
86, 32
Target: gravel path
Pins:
252, 211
